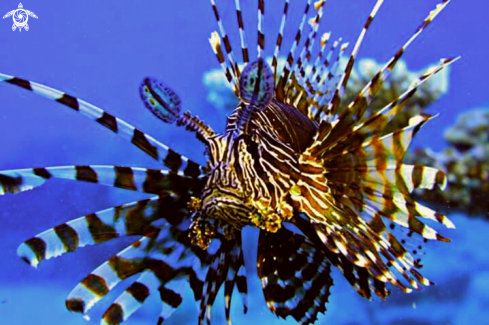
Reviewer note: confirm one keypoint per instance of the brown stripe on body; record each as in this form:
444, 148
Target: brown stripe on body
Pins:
192, 169
125, 268
380, 290
419, 277
363, 282
155, 181
42, 172
108, 121
261, 36
163, 271
227, 45
416, 225
114, 314
398, 149
346, 76
220, 59
396, 248
307, 305
440, 217
417, 175
76, 305
86, 174
140, 141
170, 297
69, 101
38, 247
360, 105
11, 184
173, 160
377, 224
368, 22
396, 58
380, 156
124, 178
68, 237
100, 231
20, 82
95, 284
242, 284
440, 177
375, 84
197, 285
137, 223
244, 50
139, 291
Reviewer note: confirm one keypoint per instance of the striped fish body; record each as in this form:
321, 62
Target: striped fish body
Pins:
248, 182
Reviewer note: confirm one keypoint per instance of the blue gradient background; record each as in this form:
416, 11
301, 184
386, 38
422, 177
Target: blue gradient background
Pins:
101, 50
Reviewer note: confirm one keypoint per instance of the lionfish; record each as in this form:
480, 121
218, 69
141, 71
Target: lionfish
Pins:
319, 179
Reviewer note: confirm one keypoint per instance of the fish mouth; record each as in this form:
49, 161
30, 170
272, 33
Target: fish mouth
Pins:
227, 209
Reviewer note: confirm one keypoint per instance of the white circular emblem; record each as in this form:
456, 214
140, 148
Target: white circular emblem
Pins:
20, 17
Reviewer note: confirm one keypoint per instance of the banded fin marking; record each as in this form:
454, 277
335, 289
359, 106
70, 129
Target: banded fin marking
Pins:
295, 275
132, 298
125, 220
236, 275
261, 34
345, 132
371, 89
278, 43
224, 267
230, 68
104, 278
242, 34
145, 142
171, 296
288, 68
145, 180
334, 105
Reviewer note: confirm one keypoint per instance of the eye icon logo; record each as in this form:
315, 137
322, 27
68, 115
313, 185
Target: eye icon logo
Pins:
20, 17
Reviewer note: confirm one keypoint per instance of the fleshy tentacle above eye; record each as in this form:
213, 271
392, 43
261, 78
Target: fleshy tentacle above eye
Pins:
165, 104
256, 91
256, 84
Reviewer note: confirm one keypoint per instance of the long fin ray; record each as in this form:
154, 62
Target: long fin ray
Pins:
125, 220
157, 150
145, 180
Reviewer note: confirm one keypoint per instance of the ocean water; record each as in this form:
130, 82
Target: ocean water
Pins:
100, 51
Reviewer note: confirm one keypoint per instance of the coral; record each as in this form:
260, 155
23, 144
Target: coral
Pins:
398, 82
466, 162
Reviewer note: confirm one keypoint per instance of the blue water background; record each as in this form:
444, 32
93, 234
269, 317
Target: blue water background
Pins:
100, 50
